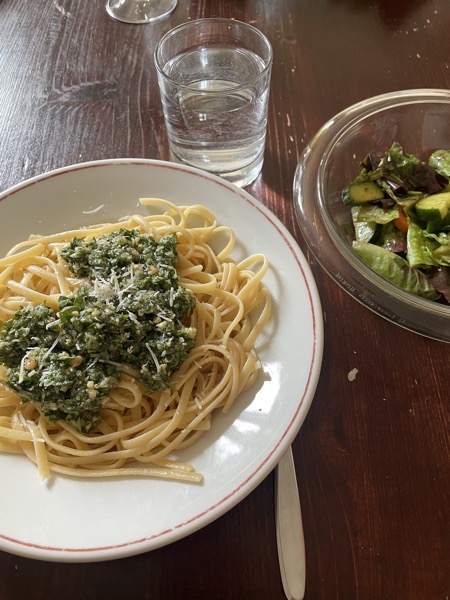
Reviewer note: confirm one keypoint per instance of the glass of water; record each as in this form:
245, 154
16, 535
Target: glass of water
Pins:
140, 11
214, 78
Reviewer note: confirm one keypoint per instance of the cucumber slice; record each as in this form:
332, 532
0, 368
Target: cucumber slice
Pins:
361, 192
433, 208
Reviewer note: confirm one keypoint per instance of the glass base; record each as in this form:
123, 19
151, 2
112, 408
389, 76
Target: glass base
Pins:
240, 177
140, 11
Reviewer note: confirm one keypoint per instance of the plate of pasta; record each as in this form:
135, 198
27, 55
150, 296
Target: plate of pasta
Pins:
160, 339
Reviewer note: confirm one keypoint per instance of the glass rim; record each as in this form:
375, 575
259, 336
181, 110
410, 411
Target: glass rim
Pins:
344, 122
218, 20
326, 243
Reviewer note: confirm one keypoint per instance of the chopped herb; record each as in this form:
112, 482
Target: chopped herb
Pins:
130, 310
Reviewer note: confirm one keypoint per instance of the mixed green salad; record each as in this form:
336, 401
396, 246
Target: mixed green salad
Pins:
400, 209
129, 310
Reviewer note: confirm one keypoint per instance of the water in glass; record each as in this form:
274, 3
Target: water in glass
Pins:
217, 117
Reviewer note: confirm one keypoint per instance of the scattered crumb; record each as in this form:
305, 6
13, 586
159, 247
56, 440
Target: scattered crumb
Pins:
61, 9
352, 374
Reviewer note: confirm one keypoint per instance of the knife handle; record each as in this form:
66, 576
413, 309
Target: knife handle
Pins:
290, 539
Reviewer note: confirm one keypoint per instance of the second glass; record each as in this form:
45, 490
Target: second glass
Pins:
214, 78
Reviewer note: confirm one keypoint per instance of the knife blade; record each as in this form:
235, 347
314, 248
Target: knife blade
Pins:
289, 529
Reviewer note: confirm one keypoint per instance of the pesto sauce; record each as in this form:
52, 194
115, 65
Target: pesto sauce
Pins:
130, 309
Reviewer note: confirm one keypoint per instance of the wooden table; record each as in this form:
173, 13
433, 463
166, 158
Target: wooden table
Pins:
373, 455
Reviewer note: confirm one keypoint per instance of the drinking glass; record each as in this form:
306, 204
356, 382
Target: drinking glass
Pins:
140, 11
214, 77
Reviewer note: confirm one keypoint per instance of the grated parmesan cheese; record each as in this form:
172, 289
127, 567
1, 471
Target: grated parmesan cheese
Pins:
94, 210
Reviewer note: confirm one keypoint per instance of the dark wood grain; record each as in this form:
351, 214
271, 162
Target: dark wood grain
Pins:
373, 455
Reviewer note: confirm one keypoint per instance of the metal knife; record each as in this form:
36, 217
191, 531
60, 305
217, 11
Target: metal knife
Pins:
289, 528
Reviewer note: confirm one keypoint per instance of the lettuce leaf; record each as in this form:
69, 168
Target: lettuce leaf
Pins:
395, 269
420, 247
393, 239
440, 280
400, 174
440, 160
374, 213
425, 249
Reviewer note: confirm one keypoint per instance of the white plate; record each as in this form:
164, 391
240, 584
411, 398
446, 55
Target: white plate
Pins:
90, 520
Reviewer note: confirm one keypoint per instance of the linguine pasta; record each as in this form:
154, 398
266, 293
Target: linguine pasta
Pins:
140, 432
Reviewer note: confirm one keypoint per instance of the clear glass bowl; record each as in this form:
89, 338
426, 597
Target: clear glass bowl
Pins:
419, 120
